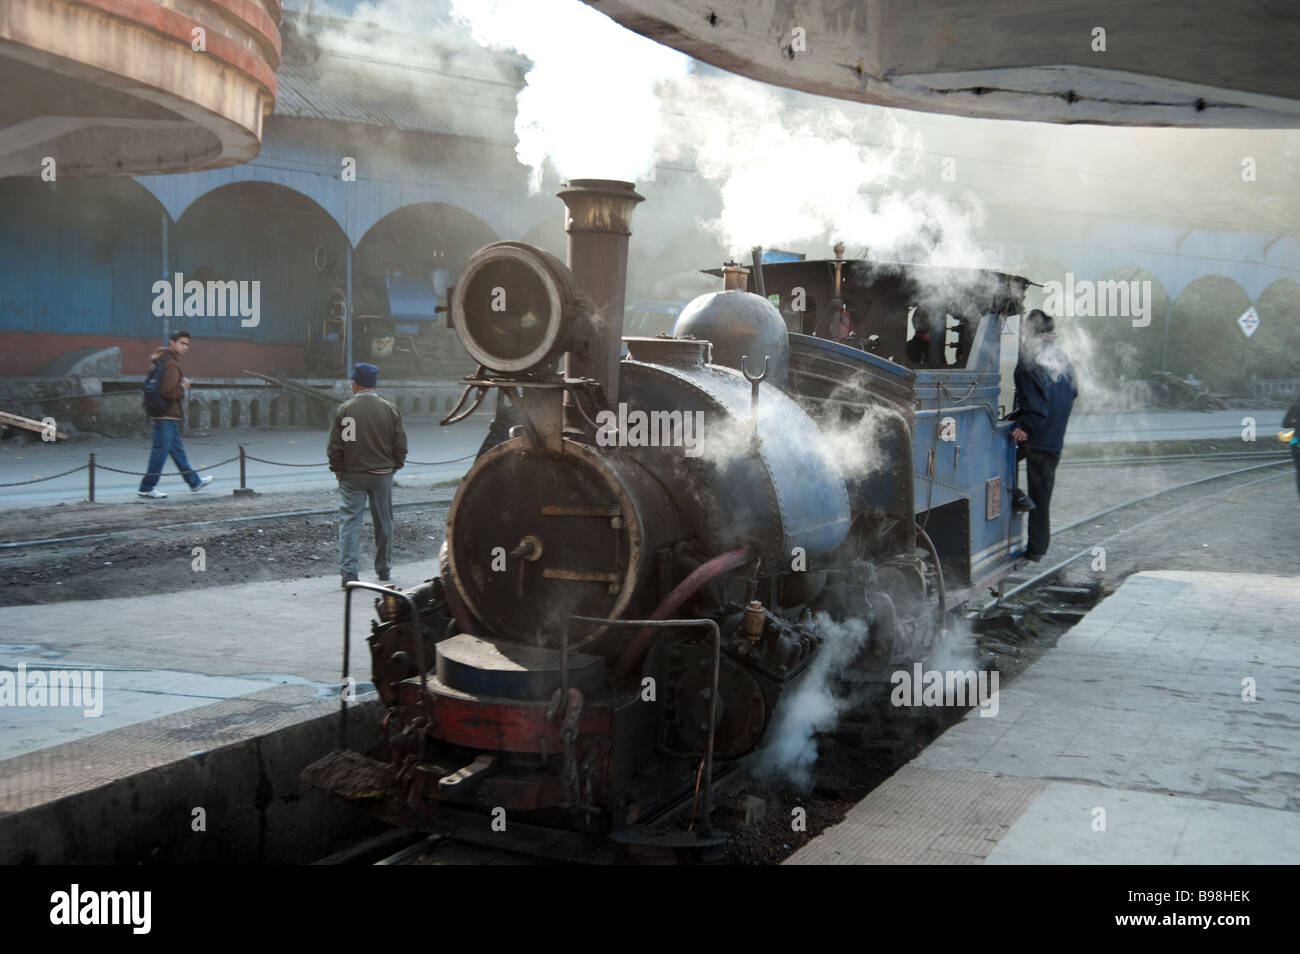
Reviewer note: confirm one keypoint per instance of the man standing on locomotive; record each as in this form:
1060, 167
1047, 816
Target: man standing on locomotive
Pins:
1045, 391
367, 446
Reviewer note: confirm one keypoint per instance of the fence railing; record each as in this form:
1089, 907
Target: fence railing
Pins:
91, 466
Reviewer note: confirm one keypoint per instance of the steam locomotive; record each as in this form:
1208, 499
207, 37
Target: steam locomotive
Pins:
649, 553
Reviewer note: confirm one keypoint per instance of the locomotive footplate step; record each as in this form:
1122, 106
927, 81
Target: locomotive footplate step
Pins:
513, 671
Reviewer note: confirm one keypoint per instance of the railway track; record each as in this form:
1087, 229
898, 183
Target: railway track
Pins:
1174, 458
441, 504
434, 505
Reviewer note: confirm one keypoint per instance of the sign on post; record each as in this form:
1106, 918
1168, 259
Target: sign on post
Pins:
1249, 321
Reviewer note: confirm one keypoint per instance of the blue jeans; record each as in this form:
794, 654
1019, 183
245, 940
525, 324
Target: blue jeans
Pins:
167, 442
354, 491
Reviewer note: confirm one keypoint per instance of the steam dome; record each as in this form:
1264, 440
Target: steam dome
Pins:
739, 323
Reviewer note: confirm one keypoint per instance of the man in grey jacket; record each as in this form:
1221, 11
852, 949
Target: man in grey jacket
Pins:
367, 446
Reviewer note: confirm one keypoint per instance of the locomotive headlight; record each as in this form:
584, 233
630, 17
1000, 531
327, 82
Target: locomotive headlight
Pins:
514, 307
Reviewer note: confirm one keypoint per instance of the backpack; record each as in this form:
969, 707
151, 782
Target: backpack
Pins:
154, 403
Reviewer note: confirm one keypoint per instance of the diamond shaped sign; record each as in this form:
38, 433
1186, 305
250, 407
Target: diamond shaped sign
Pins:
1249, 321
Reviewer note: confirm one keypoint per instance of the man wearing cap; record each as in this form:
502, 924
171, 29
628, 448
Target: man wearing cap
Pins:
367, 446
1045, 391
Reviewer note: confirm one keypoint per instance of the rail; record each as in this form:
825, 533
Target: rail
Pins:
1056, 568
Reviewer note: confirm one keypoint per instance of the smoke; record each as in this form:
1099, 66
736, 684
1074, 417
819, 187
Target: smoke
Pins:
785, 175
790, 175
814, 706
820, 699
590, 105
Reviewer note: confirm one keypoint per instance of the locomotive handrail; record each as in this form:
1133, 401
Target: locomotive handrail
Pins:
350, 588
712, 626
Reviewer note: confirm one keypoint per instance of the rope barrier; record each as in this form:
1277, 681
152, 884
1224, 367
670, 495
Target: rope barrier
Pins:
37, 480
161, 473
276, 463
93, 465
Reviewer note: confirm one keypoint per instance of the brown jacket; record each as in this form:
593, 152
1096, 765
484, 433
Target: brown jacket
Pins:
375, 439
170, 386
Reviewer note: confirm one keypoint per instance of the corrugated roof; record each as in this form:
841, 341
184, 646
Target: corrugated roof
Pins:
308, 92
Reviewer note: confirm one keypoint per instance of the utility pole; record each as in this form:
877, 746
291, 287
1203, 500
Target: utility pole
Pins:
1164, 348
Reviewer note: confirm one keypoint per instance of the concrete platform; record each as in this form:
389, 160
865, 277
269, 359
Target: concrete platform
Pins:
242, 676
1131, 742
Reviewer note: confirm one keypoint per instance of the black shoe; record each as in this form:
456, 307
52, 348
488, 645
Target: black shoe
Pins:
1020, 502
348, 578
384, 578
1032, 557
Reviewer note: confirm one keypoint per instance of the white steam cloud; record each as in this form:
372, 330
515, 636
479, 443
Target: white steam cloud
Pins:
814, 705
602, 101
789, 176
590, 105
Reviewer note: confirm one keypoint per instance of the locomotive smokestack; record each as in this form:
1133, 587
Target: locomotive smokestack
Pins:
600, 211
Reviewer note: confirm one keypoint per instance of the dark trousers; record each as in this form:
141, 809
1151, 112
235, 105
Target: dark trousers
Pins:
167, 443
1295, 456
1040, 469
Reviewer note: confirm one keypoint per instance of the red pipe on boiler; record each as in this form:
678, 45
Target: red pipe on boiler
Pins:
703, 574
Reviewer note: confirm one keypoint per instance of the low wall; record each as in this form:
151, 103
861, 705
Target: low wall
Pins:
256, 809
111, 406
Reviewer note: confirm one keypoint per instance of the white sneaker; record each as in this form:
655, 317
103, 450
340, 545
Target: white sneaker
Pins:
152, 494
203, 482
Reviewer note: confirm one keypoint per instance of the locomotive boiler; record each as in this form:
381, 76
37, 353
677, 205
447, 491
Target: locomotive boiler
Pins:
649, 552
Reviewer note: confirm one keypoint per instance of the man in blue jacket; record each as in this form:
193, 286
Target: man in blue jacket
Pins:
1045, 391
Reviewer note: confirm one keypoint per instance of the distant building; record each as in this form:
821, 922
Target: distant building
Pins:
383, 159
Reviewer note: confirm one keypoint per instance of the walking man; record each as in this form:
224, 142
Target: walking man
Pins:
167, 413
367, 445
1045, 391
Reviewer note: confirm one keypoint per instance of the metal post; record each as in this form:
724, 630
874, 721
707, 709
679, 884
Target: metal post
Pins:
166, 321
347, 324
92, 478
1164, 348
242, 490
420, 662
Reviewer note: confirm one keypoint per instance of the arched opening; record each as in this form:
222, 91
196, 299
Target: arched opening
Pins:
254, 413
549, 234
81, 257
284, 255
214, 413
1116, 335
1204, 337
422, 248
293, 412
1273, 364
234, 413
